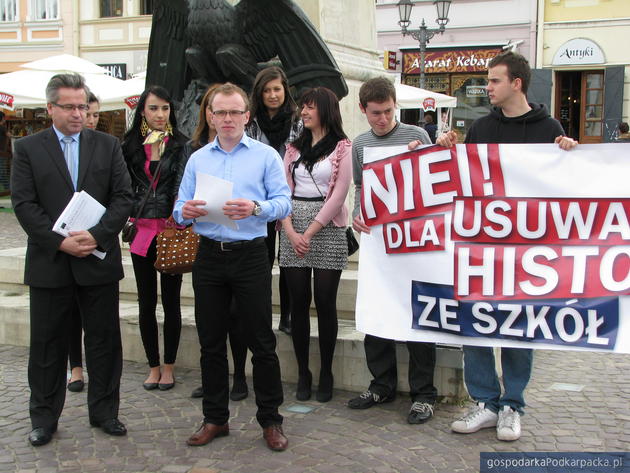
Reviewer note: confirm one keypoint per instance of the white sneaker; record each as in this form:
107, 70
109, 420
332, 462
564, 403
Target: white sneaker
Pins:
479, 417
509, 425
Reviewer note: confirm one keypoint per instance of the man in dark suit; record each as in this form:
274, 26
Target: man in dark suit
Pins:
48, 168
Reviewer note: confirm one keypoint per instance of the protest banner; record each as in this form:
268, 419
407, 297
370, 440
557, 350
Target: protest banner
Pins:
497, 245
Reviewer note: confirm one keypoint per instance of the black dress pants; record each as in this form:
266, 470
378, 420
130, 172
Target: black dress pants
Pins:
51, 316
75, 348
380, 354
242, 274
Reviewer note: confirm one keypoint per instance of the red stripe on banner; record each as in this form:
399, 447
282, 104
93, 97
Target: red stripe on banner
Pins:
561, 221
425, 182
527, 272
486, 175
415, 235
433, 182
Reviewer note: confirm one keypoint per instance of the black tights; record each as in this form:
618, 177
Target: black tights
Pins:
325, 285
170, 284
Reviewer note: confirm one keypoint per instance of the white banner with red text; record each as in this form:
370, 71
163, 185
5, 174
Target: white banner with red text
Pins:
497, 245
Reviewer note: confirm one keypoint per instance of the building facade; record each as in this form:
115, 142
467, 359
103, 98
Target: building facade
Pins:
115, 34
456, 61
112, 33
34, 29
582, 44
30, 30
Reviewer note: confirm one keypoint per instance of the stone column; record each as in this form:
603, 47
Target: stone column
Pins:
348, 28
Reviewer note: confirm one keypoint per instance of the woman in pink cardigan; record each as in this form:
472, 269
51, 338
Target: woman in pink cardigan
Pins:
318, 166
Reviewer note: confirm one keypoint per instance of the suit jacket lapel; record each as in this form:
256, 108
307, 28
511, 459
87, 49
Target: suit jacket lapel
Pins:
86, 154
53, 147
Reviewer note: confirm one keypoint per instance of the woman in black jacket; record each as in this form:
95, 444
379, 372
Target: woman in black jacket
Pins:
153, 150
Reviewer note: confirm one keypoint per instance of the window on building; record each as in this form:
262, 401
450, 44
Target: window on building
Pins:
8, 9
432, 82
472, 100
44, 9
593, 100
111, 8
147, 7
580, 104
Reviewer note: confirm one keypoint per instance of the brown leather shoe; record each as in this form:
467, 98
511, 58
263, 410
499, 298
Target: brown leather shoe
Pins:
276, 440
207, 433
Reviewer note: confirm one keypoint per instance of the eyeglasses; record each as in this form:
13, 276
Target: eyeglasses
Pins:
70, 107
233, 113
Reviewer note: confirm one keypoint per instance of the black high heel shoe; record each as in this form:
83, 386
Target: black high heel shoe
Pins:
325, 387
285, 324
303, 392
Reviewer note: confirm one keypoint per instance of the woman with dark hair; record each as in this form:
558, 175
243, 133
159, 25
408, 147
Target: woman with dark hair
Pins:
205, 133
153, 150
75, 355
94, 112
274, 121
313, 240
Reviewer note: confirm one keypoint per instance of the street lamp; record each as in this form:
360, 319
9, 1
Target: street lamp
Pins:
423, 34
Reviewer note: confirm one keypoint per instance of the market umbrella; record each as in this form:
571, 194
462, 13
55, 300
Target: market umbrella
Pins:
65, 63
414, 97
27, 88
133, 88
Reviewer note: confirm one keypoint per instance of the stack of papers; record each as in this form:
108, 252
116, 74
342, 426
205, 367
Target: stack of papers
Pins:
216, 192
82, 213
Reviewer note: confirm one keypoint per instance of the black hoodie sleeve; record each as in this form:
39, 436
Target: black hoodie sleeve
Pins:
555, 129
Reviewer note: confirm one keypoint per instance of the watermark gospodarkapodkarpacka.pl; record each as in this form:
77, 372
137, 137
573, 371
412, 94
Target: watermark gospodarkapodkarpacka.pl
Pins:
554, 462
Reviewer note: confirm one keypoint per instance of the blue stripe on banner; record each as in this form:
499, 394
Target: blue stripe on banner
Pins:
554, 462
591, 323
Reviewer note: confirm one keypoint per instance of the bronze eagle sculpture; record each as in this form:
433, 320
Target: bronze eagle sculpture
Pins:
221, 42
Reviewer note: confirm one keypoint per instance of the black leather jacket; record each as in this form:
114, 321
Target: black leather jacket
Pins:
161, 199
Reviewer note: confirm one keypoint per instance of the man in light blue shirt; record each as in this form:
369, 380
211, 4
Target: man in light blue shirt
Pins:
233, 263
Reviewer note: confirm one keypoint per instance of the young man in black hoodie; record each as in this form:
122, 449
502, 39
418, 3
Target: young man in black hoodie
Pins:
511, 120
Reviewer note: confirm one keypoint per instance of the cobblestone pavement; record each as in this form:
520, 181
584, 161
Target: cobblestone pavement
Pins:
11, 234
577, 402
331, 438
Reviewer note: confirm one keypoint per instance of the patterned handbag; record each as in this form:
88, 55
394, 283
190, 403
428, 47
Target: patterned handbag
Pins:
176, 249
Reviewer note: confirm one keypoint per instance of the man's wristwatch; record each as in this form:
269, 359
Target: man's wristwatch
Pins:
257, 209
